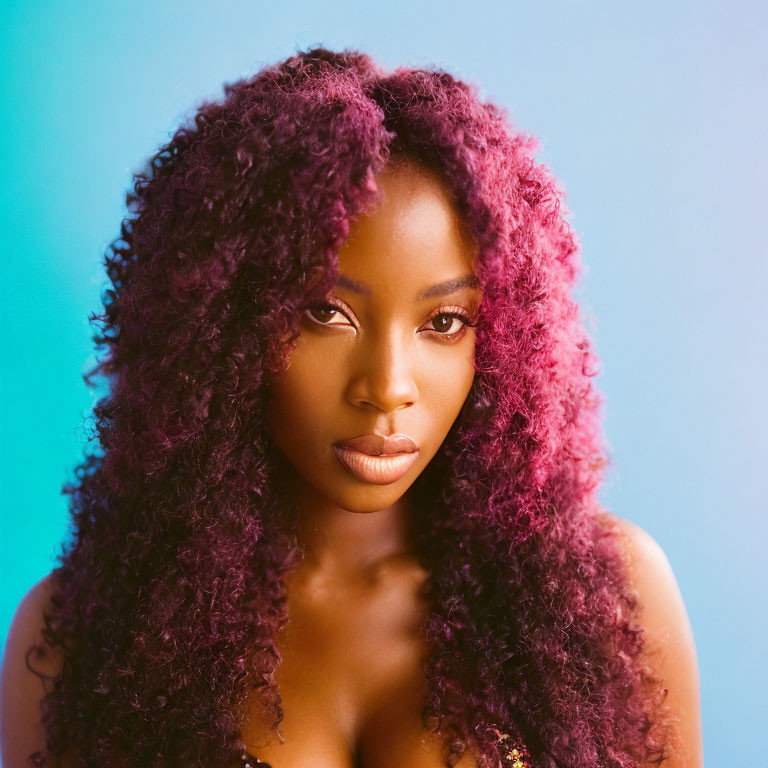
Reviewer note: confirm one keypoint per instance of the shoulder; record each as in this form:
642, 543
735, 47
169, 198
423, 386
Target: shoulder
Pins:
22, 689
27, 630
646, 565
670, 648
648, 573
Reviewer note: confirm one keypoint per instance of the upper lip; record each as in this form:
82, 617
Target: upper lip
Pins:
378, 445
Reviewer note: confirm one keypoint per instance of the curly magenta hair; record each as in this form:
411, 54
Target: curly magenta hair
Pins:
169, 590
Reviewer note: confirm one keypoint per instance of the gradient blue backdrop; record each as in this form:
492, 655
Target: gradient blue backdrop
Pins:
653, 114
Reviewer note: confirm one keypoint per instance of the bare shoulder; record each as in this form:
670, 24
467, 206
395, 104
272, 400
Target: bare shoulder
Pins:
651, 576
670, 647
21, 730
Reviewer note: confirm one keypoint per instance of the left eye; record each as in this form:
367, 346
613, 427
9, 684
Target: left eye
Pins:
445, 321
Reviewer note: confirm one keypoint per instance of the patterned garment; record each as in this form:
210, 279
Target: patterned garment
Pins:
514, 754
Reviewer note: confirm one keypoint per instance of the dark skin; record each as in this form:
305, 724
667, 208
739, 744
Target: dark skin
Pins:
382, 360
351, 678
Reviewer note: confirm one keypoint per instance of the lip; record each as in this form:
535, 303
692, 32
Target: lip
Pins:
375, 469
379, 445
377, 459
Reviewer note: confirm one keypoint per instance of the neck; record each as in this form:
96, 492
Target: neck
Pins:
337, 540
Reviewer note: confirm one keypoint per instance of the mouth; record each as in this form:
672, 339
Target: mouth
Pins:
377, 459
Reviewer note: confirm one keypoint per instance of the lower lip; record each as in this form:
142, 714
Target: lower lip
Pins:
375, 469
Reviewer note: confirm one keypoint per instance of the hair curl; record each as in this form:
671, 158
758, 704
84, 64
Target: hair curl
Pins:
180, 529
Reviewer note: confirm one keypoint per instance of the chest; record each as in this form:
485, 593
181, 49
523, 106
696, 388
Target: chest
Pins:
351, 677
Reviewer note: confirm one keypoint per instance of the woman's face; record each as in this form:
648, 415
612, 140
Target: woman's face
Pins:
389, 353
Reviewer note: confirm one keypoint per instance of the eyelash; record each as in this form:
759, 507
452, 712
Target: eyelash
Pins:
443, 312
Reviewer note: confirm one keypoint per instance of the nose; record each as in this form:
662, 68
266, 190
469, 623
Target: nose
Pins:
384, 378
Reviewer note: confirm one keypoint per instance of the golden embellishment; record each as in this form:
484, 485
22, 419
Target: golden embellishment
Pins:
515, 753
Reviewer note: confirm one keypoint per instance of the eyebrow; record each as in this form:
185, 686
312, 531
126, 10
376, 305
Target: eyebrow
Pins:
440, 289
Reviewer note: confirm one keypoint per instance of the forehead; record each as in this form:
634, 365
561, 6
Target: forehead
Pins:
414, 236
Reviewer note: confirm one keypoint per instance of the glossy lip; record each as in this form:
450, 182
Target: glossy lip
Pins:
379, 445
379, 470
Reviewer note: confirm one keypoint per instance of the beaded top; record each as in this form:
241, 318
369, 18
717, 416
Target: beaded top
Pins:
514, 754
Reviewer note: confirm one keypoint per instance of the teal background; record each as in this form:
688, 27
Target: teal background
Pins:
654, 116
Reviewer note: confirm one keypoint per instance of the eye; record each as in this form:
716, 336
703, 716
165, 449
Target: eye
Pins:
449, 324
324, 314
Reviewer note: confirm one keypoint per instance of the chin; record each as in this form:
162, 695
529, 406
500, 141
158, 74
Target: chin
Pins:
371, 499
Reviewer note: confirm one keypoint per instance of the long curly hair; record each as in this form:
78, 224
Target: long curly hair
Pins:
169, 589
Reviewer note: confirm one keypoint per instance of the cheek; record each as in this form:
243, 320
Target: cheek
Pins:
444, 386
450, 376
300, 396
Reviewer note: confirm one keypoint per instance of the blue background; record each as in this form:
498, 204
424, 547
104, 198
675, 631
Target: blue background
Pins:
653, 114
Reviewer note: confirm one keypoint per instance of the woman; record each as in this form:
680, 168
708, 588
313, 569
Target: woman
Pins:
344, 512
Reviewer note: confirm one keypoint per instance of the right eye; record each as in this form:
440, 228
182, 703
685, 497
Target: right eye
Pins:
323, 314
